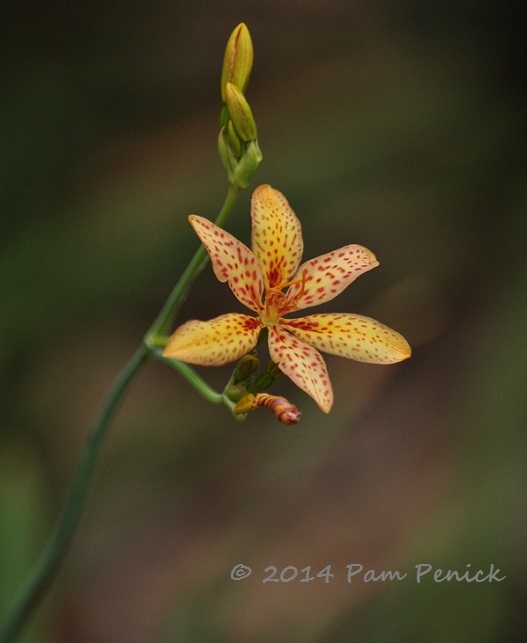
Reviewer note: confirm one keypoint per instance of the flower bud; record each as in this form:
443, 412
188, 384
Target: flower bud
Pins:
238, 60
247, 366
273, 370
234, 140
240, 113
264, 380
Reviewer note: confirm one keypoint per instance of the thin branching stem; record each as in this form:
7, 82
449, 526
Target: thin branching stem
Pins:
47, 566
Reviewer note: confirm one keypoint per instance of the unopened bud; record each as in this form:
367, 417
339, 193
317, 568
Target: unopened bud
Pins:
234, 140
264, 380
240, 113
238, 60
273, 370
248, 365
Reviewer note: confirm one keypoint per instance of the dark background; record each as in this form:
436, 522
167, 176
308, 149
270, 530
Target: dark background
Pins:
399, 126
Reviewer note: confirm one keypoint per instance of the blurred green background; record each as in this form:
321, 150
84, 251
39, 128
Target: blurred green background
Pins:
399, 126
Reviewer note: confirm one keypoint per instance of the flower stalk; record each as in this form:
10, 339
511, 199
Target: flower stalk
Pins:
243, 159
268, 280
48, 565
196, 265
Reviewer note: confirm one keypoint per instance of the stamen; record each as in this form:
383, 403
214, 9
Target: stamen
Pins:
302, 283
273, 293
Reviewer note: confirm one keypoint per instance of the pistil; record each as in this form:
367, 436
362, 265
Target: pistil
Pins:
276, 303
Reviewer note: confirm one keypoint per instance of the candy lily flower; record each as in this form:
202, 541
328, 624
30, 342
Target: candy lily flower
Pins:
270, 281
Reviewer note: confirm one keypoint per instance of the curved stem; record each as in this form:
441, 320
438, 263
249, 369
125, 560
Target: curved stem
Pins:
190, 375
55, 550
57, 546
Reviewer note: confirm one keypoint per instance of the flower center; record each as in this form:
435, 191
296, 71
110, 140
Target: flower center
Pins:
277, 303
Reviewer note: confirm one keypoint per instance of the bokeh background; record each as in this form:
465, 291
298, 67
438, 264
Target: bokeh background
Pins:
399, 126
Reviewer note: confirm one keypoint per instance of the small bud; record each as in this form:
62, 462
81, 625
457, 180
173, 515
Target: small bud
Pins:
264, 380
238, 59
240, 113
273, 370
234, 140
248, 365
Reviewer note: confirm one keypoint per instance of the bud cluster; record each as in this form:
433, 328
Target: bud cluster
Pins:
244, 390
242, 377
237, 143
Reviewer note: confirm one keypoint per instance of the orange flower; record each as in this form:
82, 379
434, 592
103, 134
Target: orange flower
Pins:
270, 282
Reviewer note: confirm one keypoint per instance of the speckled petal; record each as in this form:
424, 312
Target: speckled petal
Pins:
232, 261
215, 342
328, 275
302, 364
360, 338
276, 236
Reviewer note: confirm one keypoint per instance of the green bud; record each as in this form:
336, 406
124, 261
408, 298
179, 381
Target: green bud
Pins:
240, 113
235, 392
224, 116
234, 140
247, 366
247, 165
241, 377
263, 381
238, 60
273, 370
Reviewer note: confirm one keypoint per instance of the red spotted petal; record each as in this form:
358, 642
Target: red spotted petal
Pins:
215, 342
232, 261
302, 364
360, 338
328, 275
276, 236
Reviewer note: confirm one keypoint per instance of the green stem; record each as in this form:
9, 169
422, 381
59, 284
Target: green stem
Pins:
190, 375
197, 263
55, 550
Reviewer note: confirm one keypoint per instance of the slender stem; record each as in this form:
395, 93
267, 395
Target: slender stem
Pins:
190, 375
56, 548
197, 263
192, 378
